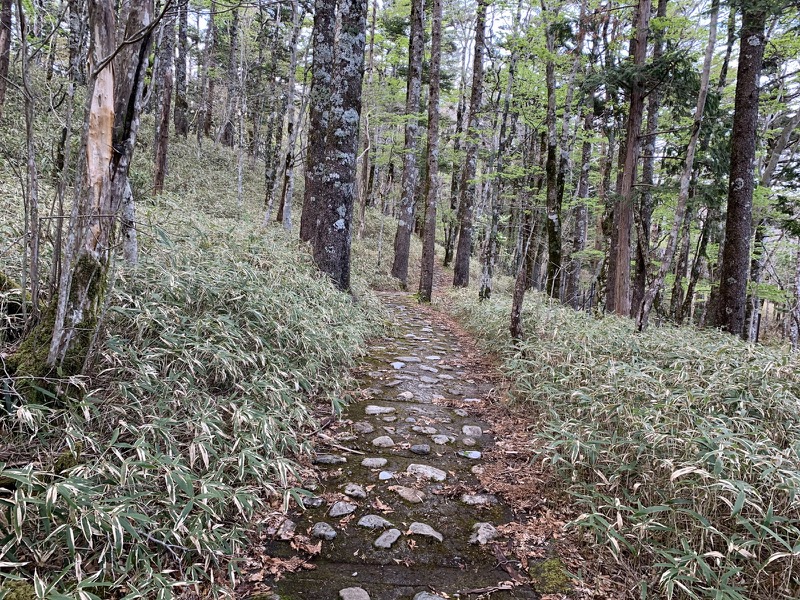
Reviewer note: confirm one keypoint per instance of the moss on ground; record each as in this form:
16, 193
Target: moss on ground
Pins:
550, 577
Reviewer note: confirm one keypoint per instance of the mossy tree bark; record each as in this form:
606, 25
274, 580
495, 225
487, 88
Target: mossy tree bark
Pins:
335, 204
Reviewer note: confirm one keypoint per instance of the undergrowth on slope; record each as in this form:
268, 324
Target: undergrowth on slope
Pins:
681, 447
215, 351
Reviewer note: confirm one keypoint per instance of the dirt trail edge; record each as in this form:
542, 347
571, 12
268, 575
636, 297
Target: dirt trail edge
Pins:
399, 511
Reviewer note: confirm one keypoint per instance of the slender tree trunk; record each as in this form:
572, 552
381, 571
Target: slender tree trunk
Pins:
367, 171
279, 186
77, 40
682, 263
335, 213
581, 217
322, 64
432, 157
645, 213
165, 77
730, 305
227, 131
553, 283
450, 222
686, 176
5, 48
464, 249
794, 335
521, 282
618, 298
180, 117
408, 182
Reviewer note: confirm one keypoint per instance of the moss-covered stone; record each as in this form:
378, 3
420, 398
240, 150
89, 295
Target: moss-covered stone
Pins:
550, 577
17, 590
68, 459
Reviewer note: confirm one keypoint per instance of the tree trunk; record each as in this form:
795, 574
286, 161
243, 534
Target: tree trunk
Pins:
553, 283
581, 217
5, 49
180, 116
164, 76
408, 182
322, 64
795, 313
77, 41
450, 222
226, 132
109, 140
280, 184
686, 176
731, 300
464, 249
618, 298
521, 282
335, 213
645, 212
367, 170
432, 157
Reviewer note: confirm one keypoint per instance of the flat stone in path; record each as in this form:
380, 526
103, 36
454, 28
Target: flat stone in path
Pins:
427, 596
341, 508
323, 531
428, 369
398, 365
383, 441
405, 396
329, 459
384, 475
363, 427
387, 538
471, 454
373, 463
443, 439
427, 472
314, 502
426, 530
424, 429
408, 494
472, 431
421, 449
374, 522
379, 410
483, 533
428, 380
393, 383
353, 593
355, 491
479, 499
408, 359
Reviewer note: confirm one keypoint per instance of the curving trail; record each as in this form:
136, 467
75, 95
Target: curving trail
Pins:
399, 512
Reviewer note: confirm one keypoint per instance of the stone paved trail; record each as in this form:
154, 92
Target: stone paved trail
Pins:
407, 519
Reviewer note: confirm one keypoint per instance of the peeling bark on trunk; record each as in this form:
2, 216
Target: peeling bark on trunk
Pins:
335, 211
464, 249
432, 157
730, 303
410, 176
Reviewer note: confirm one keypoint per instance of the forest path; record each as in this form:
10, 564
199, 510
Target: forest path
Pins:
402, 520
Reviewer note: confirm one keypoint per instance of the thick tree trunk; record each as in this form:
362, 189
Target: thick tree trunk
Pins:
432, 157
686, 176
335, 213
618, 298
408, 182
165, 77
464, 249
322, 63
730, 304
180, 117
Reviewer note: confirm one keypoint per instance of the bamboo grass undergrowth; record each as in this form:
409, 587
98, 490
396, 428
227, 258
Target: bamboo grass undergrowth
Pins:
680, 447
217, 351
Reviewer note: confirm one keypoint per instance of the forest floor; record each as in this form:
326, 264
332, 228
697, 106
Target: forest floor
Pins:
424, 488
